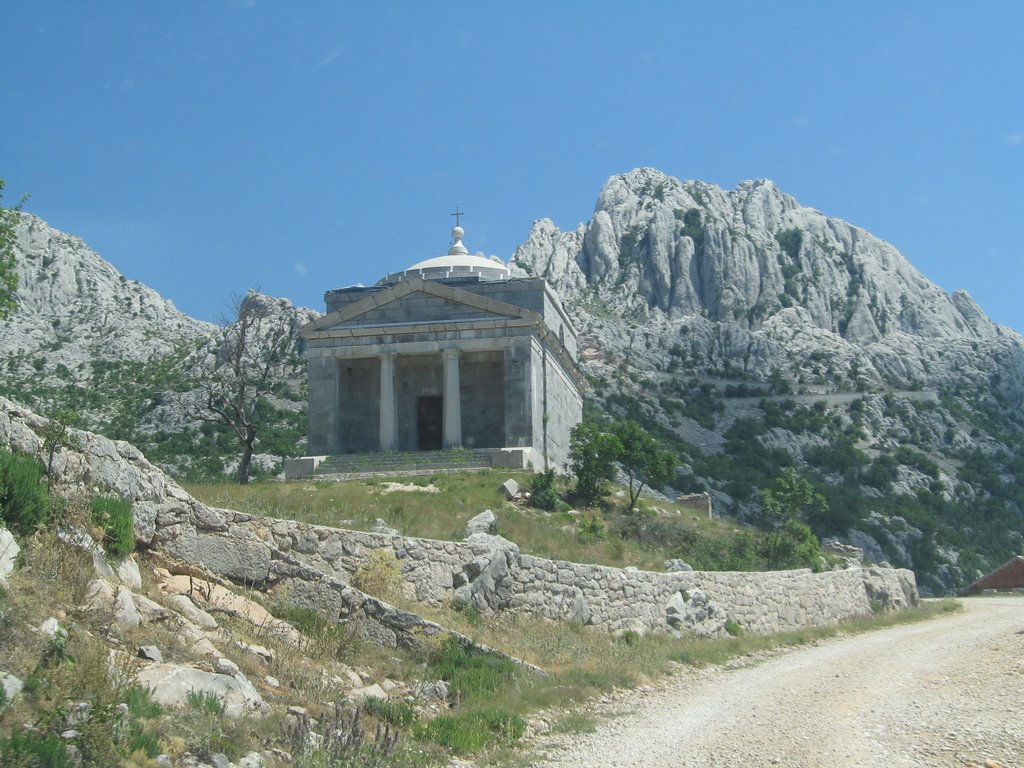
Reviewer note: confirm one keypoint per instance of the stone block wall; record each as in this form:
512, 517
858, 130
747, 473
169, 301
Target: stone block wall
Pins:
564, 411
611, 599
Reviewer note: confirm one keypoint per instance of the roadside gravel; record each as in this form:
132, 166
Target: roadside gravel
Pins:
944, 692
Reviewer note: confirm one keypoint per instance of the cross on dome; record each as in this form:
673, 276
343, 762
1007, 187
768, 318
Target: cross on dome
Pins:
457, 249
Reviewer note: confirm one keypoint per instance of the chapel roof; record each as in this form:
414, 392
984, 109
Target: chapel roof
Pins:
457, 264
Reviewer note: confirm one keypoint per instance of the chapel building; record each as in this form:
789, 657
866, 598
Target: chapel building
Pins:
453, 352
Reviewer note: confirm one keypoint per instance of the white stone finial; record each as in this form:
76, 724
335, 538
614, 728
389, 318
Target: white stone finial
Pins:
457, 249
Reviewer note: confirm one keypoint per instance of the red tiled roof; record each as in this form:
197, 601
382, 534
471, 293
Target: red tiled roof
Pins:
1008, 576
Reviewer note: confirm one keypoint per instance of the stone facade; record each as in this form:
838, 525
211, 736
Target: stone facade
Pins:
455, 354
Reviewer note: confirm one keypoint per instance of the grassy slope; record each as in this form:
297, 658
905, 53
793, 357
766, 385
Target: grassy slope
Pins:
358, 504
492, 699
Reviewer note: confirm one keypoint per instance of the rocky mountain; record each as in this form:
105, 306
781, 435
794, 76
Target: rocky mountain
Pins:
73, 303
745, 330
125, 362
755, 332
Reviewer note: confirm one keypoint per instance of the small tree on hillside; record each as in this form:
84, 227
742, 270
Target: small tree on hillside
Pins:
643, 460
592, 455
8, 274
789, 542
247, 371
56, 435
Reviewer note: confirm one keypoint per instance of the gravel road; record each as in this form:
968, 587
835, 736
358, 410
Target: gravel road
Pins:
944, 692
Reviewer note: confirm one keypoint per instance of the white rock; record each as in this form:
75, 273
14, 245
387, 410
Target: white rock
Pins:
485, 522
12, 686
171, 684
51, 629
128, 573
369, 692
510, 488
126, 615
150, 610
224, 666
150, 652
9, 550
184, 605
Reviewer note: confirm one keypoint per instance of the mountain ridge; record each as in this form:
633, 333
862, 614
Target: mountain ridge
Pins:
747, 331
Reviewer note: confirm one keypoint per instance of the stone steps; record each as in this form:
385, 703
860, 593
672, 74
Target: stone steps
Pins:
398, 462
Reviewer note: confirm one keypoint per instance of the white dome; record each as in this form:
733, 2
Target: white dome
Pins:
457, 264
460, 260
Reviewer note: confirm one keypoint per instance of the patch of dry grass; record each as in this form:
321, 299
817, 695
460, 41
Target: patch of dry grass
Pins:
358, 504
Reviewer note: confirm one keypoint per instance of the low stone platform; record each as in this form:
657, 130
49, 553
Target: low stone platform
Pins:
356, 465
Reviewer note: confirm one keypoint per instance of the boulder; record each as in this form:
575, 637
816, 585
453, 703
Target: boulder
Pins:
99, 595
126, 615
510, 488
9, 550
487, 580
369, 692
675, 565
171, 684
80, 539
12, 685
51, 629
128, 572
694, 612
151, 653
150, 610
485, 522
233, 555
184, 605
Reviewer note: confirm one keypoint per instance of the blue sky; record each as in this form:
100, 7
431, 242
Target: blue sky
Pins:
207, 147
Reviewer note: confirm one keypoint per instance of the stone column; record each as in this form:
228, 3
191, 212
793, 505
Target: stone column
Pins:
388, 404
452, 400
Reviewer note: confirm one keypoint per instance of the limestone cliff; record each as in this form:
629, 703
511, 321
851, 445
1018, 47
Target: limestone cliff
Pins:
752, 279
755, 331
125, 361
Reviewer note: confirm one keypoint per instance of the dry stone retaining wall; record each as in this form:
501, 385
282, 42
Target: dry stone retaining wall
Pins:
613, 599
315, 565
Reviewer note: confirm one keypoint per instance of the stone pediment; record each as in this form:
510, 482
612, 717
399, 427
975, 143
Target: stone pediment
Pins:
417, 301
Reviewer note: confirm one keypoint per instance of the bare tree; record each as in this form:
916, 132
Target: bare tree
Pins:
248, 369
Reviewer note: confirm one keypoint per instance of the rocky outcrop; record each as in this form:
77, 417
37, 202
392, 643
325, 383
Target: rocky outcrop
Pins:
681, 285
751, 277
75, 309
174, 685
210, 542
86, 339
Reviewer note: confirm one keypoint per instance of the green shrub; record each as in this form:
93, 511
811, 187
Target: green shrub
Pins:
395, 712
34, 749
473, 731
592, 529
24, 502
140, 703
733, 628
471, 672
542, 491
210, 703
631, 637
115, 515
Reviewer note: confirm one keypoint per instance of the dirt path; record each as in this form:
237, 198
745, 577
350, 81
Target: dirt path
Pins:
944, 692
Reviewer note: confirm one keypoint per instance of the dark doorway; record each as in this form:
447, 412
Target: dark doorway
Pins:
430, 423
